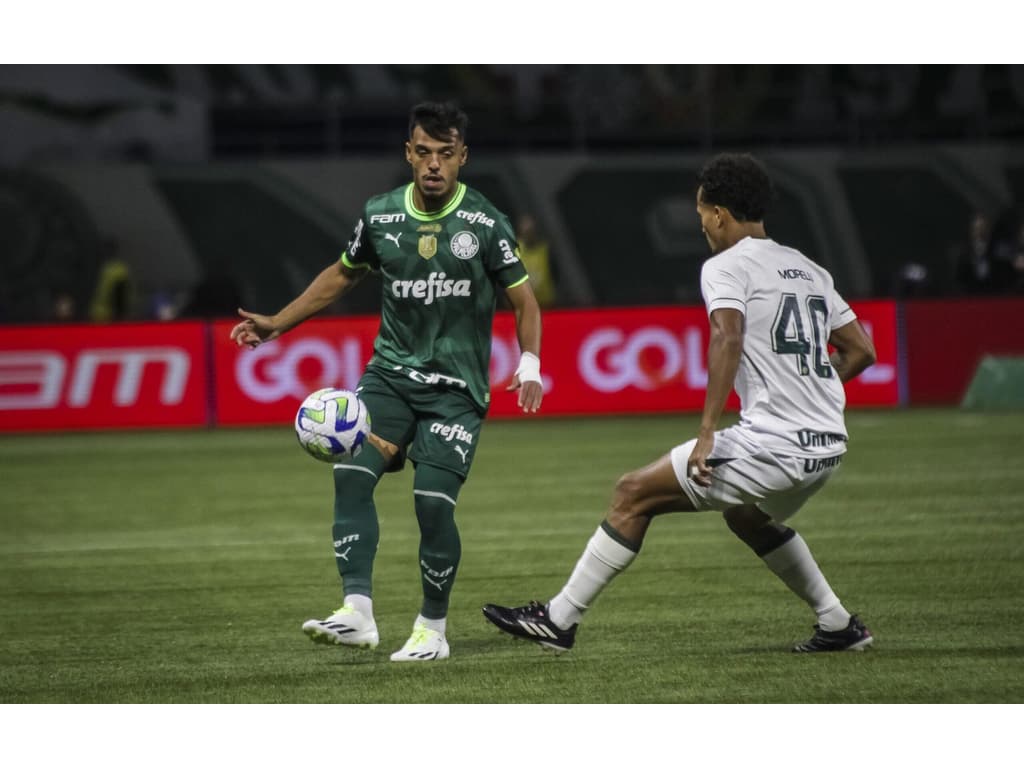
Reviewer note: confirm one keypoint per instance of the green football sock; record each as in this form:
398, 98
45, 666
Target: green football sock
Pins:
356, 531
436, 491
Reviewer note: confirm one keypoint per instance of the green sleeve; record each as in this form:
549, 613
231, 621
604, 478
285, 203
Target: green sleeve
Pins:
502, 257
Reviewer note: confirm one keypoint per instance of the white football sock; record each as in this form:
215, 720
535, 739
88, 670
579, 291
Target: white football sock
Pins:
362, 603
438, 625
602, 559
794, 564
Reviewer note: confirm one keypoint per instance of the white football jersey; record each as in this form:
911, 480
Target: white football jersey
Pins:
791, 398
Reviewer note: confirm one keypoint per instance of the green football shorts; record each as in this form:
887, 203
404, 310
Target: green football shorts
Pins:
438, 426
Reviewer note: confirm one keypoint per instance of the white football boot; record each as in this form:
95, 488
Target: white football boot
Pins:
423, 645
346, 626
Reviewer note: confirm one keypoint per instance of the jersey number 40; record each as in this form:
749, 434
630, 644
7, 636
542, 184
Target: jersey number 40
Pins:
790, 338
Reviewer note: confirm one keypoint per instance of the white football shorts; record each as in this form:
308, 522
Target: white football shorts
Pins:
745, 473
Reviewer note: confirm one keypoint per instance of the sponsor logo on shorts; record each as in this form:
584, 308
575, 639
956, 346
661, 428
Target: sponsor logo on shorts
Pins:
816, 465
811, 439
452, 432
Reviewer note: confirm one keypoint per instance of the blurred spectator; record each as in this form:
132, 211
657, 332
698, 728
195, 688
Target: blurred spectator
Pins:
973, 259
911, 281
112, 298
1008, 252
536, 257
64, 307
162, 306
1015, 259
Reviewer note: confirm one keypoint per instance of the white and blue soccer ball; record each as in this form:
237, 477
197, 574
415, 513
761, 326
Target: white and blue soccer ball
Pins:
332, 425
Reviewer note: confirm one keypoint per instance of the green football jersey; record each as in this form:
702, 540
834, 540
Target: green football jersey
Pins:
440, 274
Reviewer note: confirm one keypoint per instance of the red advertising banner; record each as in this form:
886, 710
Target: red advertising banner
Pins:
653, 360
947, 339
75, 377
265, 385
611, 361
879, 384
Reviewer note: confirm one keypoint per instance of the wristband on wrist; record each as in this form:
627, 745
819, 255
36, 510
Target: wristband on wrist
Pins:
529, 368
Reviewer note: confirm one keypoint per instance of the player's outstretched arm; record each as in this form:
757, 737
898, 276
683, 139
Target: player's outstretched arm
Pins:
854, 350
336, 280
527, 377
724, 349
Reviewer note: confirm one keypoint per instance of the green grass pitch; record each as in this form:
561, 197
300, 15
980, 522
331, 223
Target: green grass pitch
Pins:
178, 567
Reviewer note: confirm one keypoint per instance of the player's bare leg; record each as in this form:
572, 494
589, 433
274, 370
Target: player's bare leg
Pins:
639, 496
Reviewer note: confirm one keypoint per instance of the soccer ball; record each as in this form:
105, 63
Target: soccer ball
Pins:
332, 425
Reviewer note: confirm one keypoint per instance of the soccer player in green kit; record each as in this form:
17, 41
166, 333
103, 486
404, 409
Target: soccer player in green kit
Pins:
443, 252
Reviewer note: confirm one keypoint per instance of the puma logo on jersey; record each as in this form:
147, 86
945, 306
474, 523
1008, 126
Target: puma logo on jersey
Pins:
393, 238
462, 452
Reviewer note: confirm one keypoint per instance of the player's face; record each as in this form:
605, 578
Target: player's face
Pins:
711, 223
435, 165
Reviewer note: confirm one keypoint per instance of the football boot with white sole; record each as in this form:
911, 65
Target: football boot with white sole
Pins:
423, 645
346, 626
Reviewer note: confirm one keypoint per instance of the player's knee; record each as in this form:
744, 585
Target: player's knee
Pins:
434, 513
387, 449
756, 529
627, 499
353, 484
744, 521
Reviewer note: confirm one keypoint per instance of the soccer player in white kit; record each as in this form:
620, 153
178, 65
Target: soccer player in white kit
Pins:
773, 312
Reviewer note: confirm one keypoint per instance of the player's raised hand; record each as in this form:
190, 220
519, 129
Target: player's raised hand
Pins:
254, 329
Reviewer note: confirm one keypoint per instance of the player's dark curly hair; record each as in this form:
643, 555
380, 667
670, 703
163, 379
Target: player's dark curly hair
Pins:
738, 182
438, 118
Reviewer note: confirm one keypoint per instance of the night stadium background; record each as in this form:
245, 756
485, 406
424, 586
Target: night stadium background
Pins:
154, 503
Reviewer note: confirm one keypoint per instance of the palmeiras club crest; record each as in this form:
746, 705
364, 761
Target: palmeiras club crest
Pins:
465, 245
